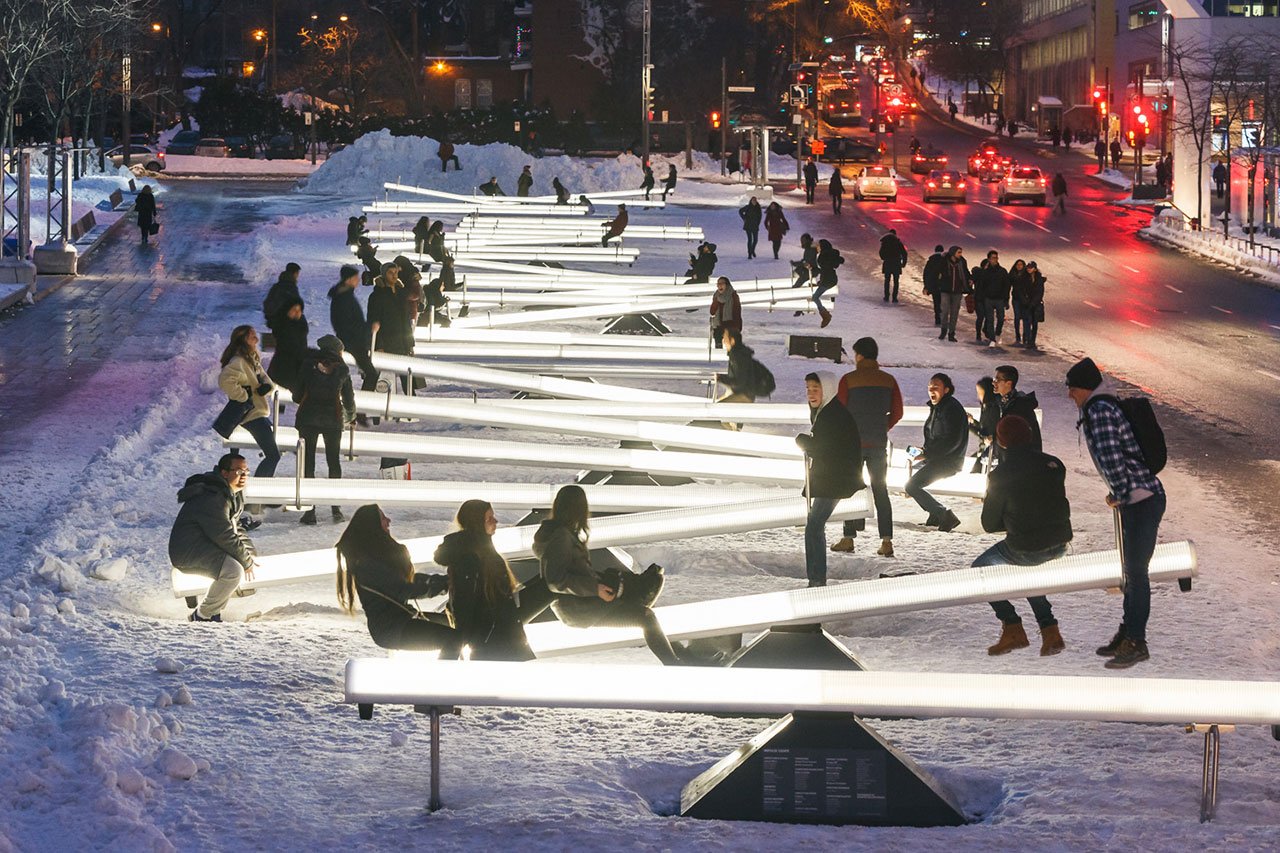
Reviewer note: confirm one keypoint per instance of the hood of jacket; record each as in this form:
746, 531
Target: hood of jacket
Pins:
830, 385
455, 547
201, 484
546, 530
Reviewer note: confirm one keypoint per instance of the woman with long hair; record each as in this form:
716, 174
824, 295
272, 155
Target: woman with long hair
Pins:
984, 427
243, 378
376, 569
488, 608
584, 597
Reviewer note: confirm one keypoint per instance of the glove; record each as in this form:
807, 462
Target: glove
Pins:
264, 389
437, 585
803, 440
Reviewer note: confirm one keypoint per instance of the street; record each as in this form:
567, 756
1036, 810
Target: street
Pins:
1202, 339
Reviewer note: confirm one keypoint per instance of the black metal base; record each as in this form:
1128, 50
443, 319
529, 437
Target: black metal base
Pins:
796, 647
630, 478
815, 346
830, 769
636, 324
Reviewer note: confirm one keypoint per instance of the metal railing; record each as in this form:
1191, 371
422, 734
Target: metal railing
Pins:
1265, 252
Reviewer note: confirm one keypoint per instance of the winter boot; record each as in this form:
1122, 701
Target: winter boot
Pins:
826, 317
338, 517
1050, 641
932, 520
1012, 636
886, 548
1110, 649
844, 546
1129, 653
653, 578
196, 617
308, 517
948, 522
942, 334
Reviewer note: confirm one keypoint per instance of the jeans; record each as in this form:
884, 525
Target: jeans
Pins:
817, 294
1030, 326
895, 276
368, 373
981, 320
444, 163
753, 237
220, 591
993, 317
837, 202
951, 303
1019, 320
925, 474
260, 429
1001, 554
877, 461
1139, 524
937, 308
815, 539
809, 189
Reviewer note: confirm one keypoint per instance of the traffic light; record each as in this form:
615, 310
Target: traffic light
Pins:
1100, 101
715, 120
648, 102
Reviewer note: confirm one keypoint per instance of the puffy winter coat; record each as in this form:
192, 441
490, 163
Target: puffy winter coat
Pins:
874, 399
207, 529
996, 284
291, 349
893, 254
564, 560
934, 269
325, 398
775, 223
946, 434
347, 318
833, 446
492, 628
751, 215
741, 377
239, 374
390, 310
1027, 499
385, 594
1024, 406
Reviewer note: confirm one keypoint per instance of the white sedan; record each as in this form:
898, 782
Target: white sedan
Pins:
212, 146
139, 155
876, 182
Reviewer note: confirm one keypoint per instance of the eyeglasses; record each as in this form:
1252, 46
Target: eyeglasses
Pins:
238, 472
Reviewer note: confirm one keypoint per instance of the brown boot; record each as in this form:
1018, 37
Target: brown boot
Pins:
844, 546
1012, 636
1051, 641
886, 548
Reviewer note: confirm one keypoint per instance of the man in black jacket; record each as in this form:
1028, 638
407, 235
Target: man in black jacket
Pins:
206, 538
893, 256
347, 318
1015, 402
1027, 501
933, 269
946, 438
995, 297
833, 457
953, 285
811, 180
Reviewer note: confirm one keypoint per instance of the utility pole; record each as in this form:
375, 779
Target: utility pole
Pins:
275, 58
646, 71
724, 113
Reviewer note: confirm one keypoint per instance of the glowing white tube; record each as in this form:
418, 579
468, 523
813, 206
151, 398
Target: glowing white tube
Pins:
516, 542
631, 299
679, 412
664, 435
444, 208
663, 343
588, 312
595, 254
503, 496
566, 352
489, 377
524, 201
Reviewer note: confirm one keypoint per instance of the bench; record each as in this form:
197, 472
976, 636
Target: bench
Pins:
83, 226
435, 687
516, 542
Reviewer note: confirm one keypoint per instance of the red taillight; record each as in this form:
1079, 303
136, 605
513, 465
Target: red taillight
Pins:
942, 159
918, 157
960, 185
931, 185
1044, 181
160, 155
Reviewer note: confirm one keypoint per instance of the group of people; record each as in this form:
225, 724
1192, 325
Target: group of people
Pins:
774, 220
987, 290
1025, 497
835, 186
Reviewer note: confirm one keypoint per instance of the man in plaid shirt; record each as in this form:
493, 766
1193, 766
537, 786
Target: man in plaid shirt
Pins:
1134, 492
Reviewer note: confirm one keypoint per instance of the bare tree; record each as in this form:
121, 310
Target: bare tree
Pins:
1193, 67
26, 38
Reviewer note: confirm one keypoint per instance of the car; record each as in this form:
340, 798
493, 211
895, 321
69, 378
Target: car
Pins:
994, 168
926, 160
183, 142
284, 146
139, 155
944, 184
212, 146
842, 148
876, 182
842, 107
988, 149
1022, 182
239, 146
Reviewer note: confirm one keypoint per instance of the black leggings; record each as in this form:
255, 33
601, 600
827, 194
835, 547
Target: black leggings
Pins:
581, 612
426, 636
332, 450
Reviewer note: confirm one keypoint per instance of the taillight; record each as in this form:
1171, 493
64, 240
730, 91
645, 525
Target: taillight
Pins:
960, 185
1044, 181
932, 185
942, 159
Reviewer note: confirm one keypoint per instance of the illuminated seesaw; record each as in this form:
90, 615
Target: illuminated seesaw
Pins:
767, 300
669, 463
390, 209
492, 225
503, 496
564, 292
612, 254
516, 542
565, 353
565, 274
625, 301
515, 202
663, 344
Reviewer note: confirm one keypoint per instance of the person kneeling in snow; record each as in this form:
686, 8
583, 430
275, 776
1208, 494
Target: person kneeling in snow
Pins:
207, 539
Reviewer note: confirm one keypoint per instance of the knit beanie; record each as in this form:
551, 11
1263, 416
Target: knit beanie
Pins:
1084, 374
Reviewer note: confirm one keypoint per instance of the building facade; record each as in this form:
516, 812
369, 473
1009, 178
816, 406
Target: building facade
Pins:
1062, 50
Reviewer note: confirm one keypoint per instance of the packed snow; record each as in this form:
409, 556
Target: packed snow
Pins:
125, 727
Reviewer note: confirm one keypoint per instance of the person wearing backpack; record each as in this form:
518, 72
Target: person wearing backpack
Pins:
1128, 450
747, 378
326, 404
874, 399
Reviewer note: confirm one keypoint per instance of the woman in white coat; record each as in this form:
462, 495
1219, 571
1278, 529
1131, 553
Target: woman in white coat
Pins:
243, 378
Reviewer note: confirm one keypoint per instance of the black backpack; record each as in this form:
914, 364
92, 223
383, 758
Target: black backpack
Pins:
1146, 429
762, 381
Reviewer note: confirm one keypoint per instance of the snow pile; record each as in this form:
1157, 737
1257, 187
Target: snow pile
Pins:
1209, 244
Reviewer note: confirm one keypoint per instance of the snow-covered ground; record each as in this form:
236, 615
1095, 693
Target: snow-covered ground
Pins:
124, 727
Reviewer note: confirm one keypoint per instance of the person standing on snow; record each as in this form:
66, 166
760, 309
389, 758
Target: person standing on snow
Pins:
207, 539
934, 268
290, 329
836, 189
326, 404
833, 467
751, 215
146, 209
524, 183
776, 226
810, 180
726, 311
893, 255
347, 318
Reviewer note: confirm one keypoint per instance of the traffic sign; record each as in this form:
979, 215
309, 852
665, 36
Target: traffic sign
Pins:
745, 89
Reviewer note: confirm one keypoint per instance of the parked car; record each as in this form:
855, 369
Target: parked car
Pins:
212, 146
842, 107
876, 182
1023, 182
139, 155
239, 146
284, 146
183, 142
944, 184
842, 148
928, 159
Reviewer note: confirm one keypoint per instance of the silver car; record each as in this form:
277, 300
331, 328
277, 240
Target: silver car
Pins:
212, 146
944, 185
876, 182
1022, 182
139, 155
